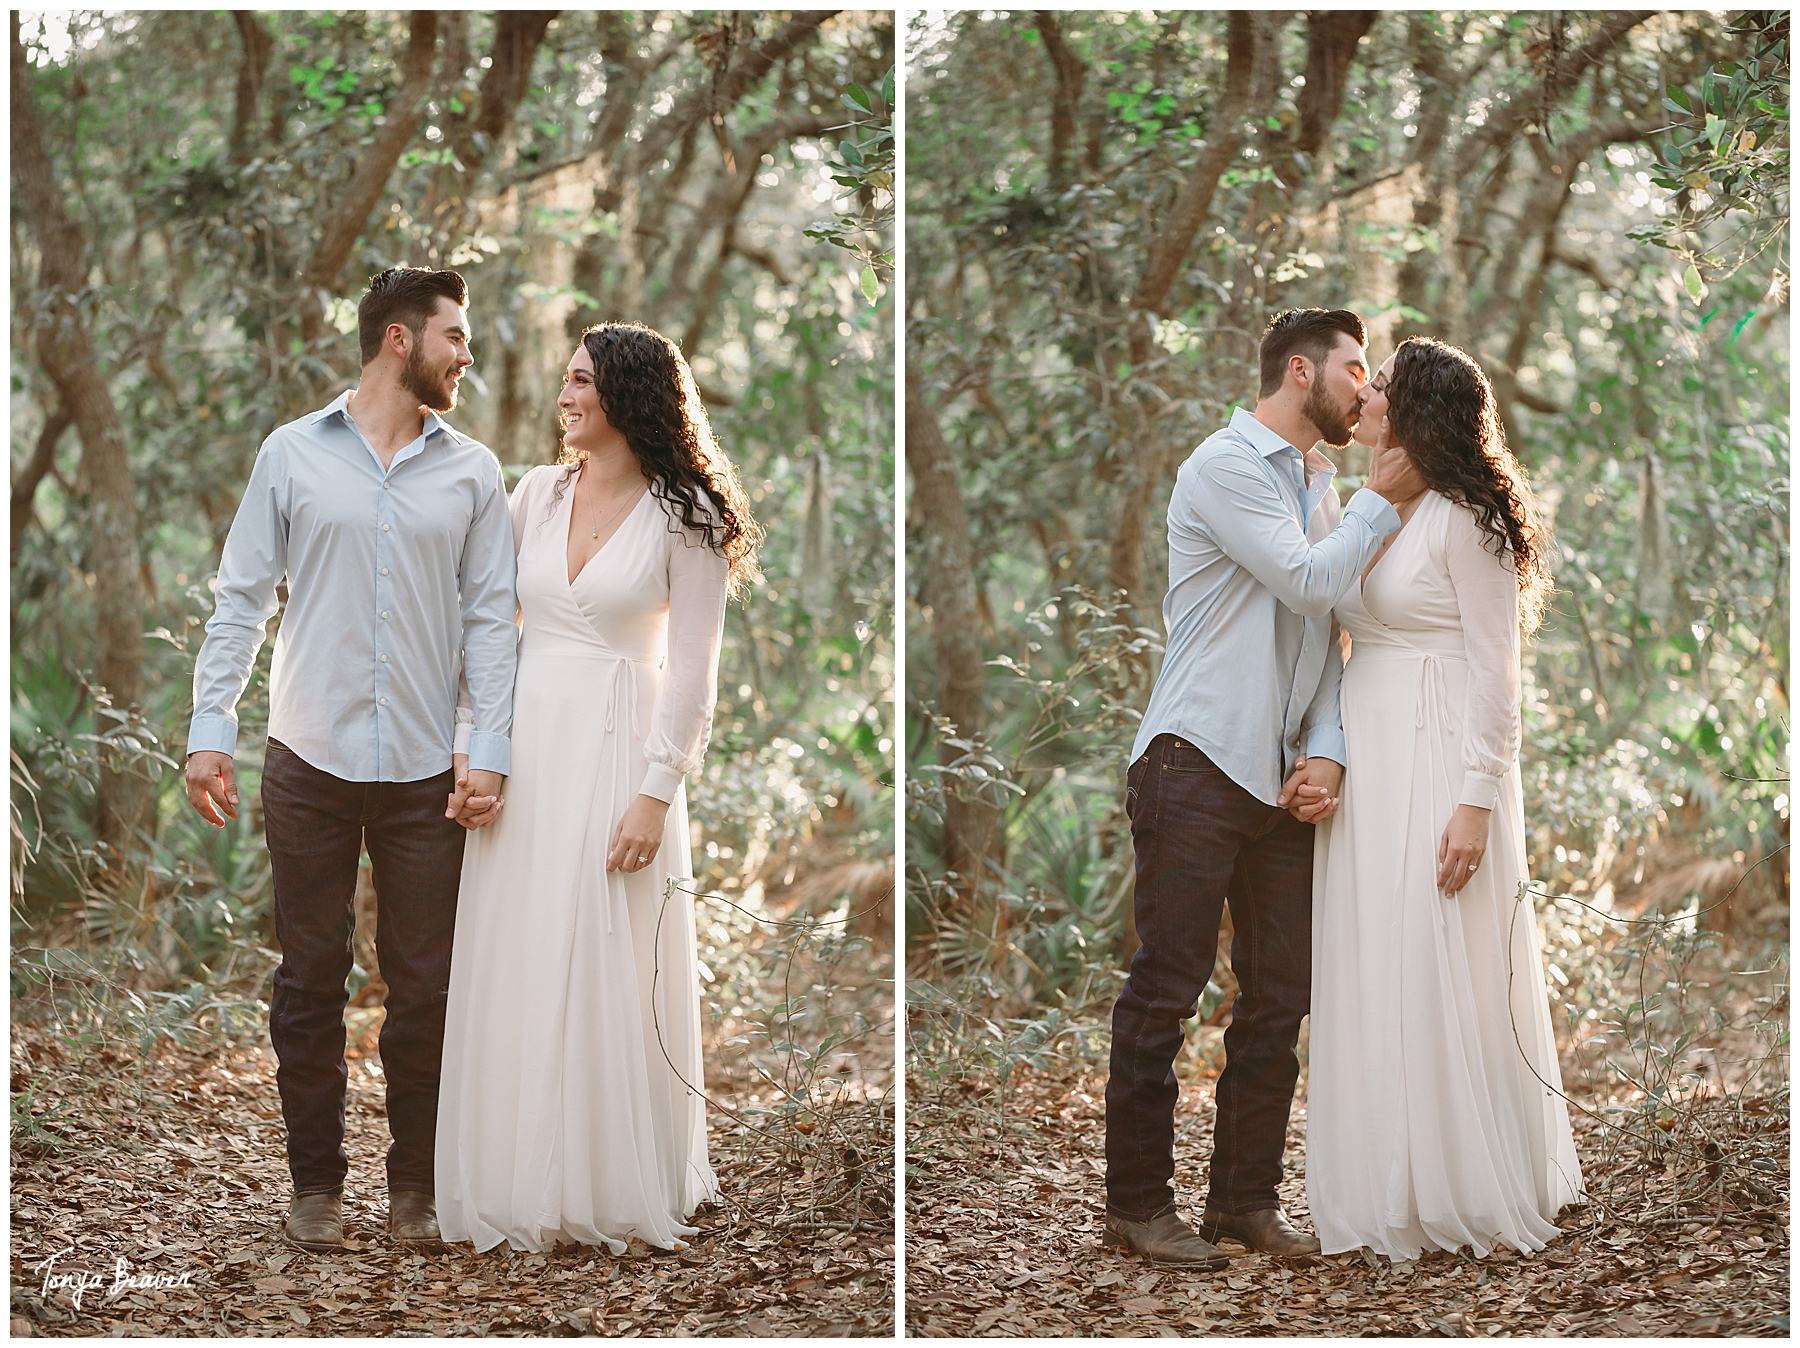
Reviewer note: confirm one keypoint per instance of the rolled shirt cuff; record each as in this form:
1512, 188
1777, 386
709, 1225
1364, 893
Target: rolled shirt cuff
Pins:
1480, 790
1327, 741
213, 733
460, 743
661, 782
488, 752
1375, 509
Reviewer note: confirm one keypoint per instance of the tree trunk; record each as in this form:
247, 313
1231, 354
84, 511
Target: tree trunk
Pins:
68, 358
970, 825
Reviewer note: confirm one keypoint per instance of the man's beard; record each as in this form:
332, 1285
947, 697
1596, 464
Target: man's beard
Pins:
438, 393
1331, 421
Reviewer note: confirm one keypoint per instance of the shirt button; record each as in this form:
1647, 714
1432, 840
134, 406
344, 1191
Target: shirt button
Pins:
384, 613
384, 528
387, 486
384, 702
384, 659
384, 571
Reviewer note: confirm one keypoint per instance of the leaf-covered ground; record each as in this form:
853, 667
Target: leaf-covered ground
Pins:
1004, 1223
177, 1167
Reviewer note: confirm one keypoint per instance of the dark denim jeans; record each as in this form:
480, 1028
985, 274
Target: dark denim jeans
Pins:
317, 826
1203, 841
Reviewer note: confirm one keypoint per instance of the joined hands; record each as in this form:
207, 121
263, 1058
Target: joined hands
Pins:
1311, 793
477, 801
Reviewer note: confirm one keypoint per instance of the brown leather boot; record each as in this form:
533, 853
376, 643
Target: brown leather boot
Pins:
1267, 1231
1163, 1240
316, 1222
412, 1218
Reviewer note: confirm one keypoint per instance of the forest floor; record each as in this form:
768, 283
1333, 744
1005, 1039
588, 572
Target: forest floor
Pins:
1004, 1224
176, 1167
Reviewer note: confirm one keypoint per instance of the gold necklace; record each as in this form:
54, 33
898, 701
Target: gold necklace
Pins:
631, 498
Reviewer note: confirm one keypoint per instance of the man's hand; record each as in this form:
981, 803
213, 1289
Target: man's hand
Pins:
477, 801
1391, 471
639, 835
1463, 845
212, 786
1311, 794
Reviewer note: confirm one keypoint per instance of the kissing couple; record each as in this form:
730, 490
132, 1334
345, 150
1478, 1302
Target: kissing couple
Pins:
1332, 749
518, 787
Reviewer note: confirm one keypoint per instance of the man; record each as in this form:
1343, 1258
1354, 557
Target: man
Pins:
392, 532
1247, 695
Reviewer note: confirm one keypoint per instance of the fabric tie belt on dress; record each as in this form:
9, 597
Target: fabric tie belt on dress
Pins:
1430, 714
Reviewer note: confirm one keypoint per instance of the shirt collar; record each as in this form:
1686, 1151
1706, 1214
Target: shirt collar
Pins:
340, 406
1269, 444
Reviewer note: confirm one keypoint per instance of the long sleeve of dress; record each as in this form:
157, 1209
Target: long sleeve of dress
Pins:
1487, 596
683, 720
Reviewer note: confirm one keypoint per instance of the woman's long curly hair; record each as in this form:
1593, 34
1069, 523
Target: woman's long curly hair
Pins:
649, 395
1441, 408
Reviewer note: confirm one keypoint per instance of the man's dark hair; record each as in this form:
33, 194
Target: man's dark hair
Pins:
406, 295
1303, 332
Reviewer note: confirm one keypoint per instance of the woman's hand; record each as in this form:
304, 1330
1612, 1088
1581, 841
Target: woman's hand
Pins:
1463, 845
639, 835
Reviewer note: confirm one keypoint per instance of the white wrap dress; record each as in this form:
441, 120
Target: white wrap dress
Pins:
1434, 1119
570, 1106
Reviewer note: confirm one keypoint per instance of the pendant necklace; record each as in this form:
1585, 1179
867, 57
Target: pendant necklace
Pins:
615, 514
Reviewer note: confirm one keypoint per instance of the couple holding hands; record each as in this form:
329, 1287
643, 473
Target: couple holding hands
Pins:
544, 1083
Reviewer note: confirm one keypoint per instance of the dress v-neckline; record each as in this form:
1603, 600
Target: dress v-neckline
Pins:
569, 529
1362, 583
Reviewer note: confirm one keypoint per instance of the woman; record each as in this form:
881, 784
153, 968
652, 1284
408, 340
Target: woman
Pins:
1434, 1113
570, 1106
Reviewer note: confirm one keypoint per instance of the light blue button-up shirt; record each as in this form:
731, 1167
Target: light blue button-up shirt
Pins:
395, 577
1258, 554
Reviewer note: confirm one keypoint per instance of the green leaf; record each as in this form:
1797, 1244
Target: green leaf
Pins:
1679, 101
1696, 288
851, 154
1740, 324
870, 287
855, 96
887, 87
1715, 127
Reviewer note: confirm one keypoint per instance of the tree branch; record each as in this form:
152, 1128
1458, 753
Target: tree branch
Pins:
25, 484
347, 220
518, 33
725, 203
731, 85
252, 69
1246, 35
1557, 80
1071, 73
